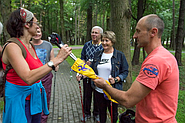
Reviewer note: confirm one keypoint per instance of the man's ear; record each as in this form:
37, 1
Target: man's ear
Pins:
27, 25
154, 31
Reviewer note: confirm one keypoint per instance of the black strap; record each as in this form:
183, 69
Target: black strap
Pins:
4, 47
8, 67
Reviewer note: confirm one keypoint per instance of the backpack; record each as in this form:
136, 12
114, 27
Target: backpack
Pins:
8, 67
127, 117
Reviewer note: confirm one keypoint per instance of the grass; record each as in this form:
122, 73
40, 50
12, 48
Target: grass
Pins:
1, 104
77, 53
180, 116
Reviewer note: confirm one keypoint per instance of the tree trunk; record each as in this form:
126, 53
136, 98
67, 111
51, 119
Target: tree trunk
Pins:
121, 27
180, 30
5, 8
62, 21
140, 11
103, 23
89, 22
20, 3
144, 54
173, 26
183, 43
108, 23
135, 59
95, 14
76, 25
171, 41
29, 4
48, 19
44, 23
100, 19
67, 37
58, 23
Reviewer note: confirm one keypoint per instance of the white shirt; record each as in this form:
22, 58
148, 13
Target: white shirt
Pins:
104, 68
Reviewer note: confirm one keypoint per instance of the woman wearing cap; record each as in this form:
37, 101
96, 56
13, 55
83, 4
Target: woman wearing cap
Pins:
112, 65
24, 94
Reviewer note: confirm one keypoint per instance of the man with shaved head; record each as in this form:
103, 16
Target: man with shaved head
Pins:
155, 90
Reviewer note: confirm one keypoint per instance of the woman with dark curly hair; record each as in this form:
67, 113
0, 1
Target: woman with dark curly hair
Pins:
25, 97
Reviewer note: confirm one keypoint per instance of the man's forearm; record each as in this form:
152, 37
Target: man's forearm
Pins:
118, 95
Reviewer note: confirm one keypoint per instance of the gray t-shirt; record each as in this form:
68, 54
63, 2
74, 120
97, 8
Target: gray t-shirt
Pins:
43, 51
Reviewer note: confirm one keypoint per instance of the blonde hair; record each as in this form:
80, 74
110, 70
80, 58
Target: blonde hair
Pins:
110, 35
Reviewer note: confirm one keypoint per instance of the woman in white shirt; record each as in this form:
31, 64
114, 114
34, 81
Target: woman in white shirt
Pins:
112, 65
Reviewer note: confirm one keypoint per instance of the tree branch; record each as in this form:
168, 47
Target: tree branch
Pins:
129, 10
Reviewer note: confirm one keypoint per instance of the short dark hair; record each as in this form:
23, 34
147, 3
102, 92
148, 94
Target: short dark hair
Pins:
154, 21
15, 24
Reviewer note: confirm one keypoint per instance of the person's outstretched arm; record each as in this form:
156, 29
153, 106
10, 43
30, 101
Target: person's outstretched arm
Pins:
128, 98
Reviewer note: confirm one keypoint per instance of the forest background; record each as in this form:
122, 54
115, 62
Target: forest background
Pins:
73, 20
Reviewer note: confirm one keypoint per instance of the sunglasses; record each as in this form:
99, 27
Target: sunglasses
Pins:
37, 23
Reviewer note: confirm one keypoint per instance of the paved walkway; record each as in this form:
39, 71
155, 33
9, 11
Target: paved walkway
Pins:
67, 100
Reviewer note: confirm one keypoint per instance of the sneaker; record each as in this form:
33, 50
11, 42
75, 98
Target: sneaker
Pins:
86, 117
97, 118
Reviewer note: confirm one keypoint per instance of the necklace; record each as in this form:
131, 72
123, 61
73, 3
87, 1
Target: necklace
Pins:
29, 46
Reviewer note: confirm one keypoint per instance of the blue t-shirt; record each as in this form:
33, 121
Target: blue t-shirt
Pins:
43, 51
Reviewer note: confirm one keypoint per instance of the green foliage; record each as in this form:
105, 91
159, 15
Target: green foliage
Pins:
84, 4
182, 74
180, 116
69, 13
48, 11
163, 8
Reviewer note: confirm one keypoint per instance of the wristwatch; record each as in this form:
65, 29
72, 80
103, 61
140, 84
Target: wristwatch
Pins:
50, 64
116, 80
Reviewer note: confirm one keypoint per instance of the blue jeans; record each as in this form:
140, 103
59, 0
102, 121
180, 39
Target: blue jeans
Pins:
31, 118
